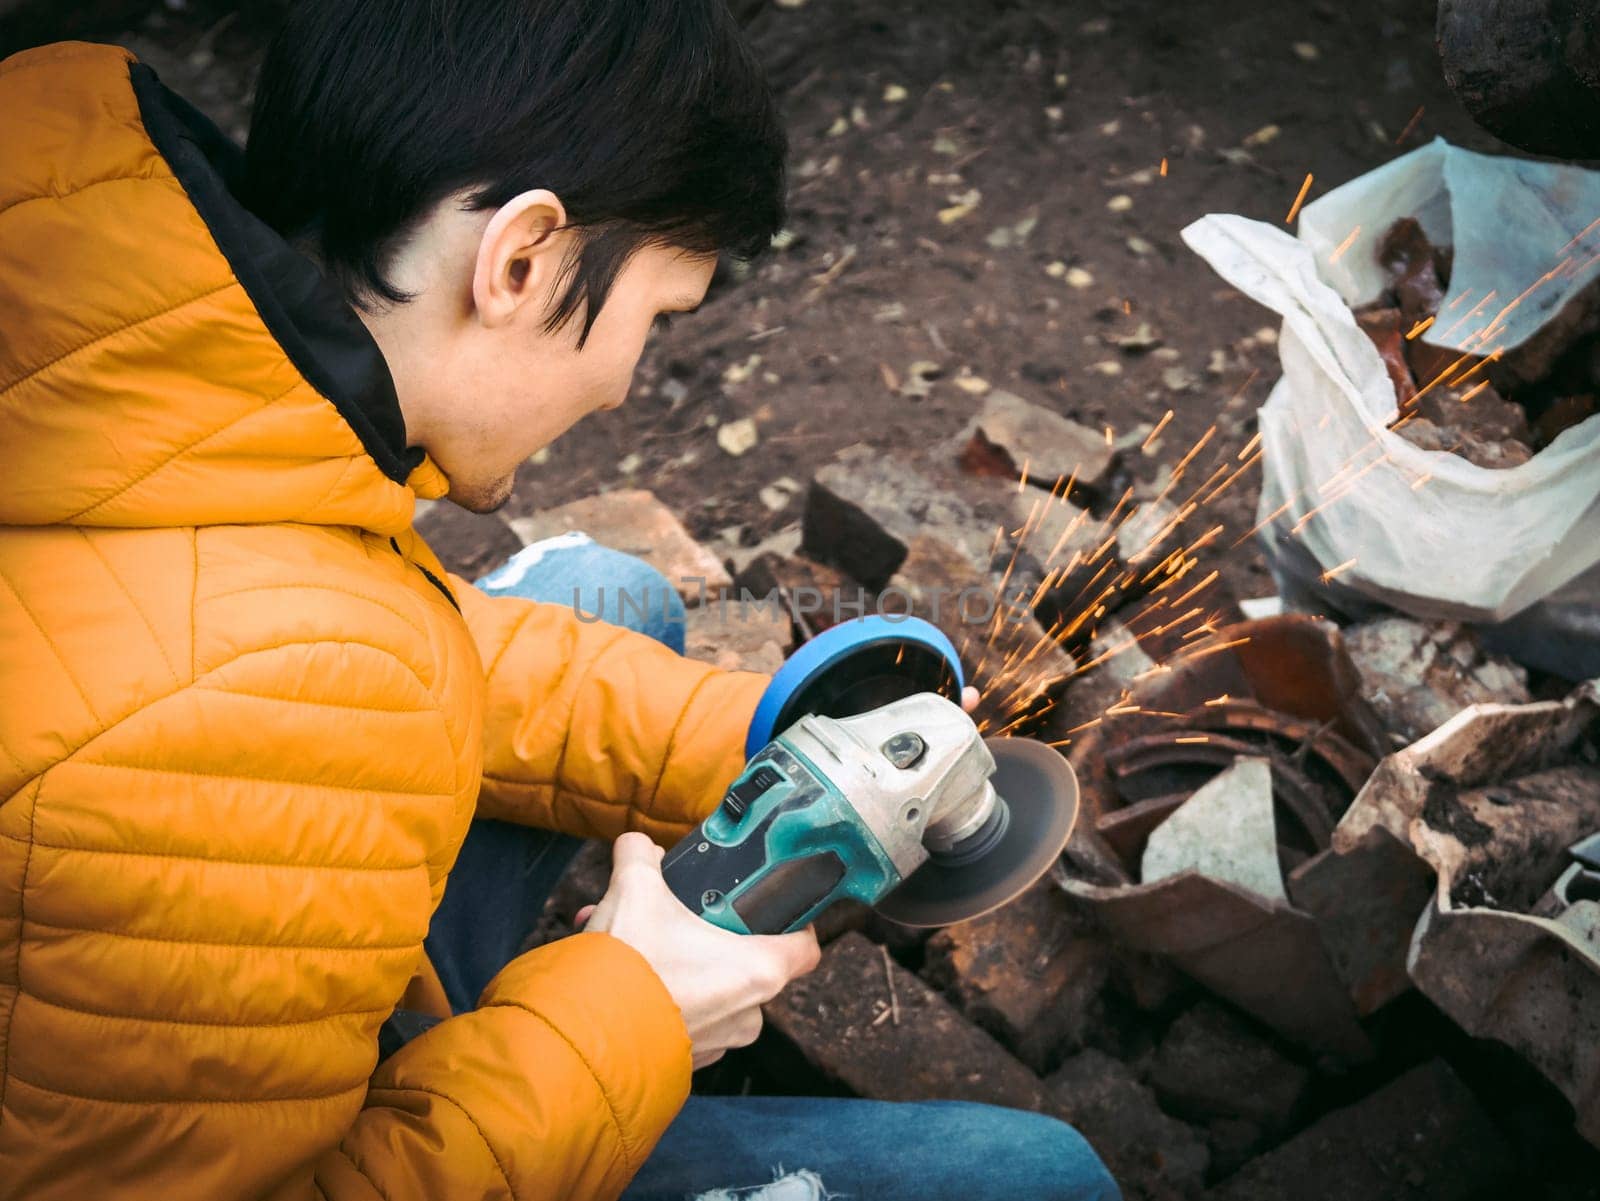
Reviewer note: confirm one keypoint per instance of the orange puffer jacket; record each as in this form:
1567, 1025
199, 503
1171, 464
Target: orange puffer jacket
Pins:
245, 719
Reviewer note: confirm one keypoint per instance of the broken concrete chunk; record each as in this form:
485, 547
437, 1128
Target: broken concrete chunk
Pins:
1029, 973
864, 1021
636, 523
1118, 653
1150, 1154
1056, 532
1013, 432
1418, 675
864, 509
1424, 1135
1225, 831
1212, 1064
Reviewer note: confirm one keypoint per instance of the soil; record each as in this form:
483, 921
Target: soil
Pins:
905, 239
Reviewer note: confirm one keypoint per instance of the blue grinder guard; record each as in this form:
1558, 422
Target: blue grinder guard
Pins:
855, 667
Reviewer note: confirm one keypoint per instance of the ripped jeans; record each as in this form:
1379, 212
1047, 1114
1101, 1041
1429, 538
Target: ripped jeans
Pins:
732, 1148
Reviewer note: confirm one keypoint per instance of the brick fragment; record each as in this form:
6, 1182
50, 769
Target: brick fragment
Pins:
841, 1018
1031, 973
1152, 1155
1423, 1135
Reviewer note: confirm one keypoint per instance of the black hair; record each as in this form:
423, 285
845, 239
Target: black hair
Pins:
650, 119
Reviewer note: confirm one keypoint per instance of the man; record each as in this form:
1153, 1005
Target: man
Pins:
247, 719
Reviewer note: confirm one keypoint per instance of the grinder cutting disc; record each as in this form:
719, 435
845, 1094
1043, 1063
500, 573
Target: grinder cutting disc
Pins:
1041, 793
854, 667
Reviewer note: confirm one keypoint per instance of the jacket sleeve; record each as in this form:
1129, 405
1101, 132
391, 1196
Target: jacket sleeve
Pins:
454, 1114
593, 729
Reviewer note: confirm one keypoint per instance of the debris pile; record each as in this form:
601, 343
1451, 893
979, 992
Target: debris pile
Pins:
1493, 409
1218, 983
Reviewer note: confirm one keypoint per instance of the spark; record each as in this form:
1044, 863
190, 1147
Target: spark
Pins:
1218, 700
1156, 432
1474, 390
1229, 482
1473, 311
1350, 241
1420, 326
1255, 441
1194, 450
1022, 483
1327, 576
1163, 168
1196, 738
1294, 209
1416, 484
1582, 234
1198, 587
1111, 438
1217, 649
1410, 125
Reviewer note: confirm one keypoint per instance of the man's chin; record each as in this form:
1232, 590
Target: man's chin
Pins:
485, 498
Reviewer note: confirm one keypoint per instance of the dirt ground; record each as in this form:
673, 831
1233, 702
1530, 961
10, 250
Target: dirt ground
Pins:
981, 190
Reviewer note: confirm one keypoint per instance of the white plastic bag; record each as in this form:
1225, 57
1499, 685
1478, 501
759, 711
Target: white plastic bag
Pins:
1425, 532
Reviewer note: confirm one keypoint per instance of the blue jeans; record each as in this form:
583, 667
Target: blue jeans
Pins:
750, 1148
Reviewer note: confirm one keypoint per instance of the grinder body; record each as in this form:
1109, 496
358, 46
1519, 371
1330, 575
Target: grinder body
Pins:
836, 808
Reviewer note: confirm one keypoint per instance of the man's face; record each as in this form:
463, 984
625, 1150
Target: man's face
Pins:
510, 389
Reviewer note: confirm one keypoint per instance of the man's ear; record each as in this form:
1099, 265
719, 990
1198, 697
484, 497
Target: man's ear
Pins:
520, 256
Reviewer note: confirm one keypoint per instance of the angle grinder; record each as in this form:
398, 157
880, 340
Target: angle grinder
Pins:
866, 780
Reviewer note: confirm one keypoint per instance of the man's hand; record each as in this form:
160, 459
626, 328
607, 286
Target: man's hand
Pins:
719, 979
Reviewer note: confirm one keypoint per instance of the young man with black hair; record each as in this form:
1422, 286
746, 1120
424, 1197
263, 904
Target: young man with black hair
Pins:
278, 795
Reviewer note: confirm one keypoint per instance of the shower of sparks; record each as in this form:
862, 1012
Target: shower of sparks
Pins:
1163, 168
1294, 209
1163, 575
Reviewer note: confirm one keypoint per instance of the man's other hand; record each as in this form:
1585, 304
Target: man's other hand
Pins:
719, 979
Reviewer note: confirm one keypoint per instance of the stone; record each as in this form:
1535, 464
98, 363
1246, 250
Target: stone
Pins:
636, 523
864, 509
736, 557
1149, 534
1054, 530
1418, 675
1119, 655
1015, 432
816, 595
1212, 1064
1225, 831
739, 636
1420, 1136
1031, 973
469, 544
867, 1023
1151, 1154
